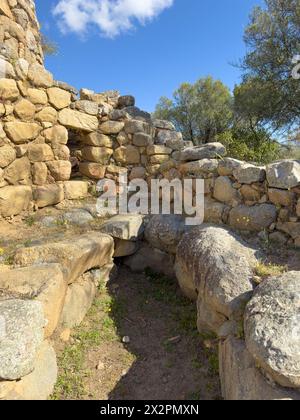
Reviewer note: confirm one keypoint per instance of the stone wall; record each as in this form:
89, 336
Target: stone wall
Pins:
48, 291
50, 133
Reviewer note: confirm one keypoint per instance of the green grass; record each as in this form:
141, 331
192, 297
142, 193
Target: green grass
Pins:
30, 221
265, 270
98, 327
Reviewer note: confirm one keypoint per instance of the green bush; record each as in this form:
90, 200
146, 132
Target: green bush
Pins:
249, 145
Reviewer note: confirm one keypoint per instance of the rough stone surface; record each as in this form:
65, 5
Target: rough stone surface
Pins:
241, 380
79, 299
215, 266
42, 283
48, 195
59, 98
78, 120
21, 132
225, 192
228, 165
285, 174
38, 385
255, 219
204, 166
272, 328
76, 256
24, 332
92, 170
125, 248
7, 155
128, 227
75, 190
14, 200
248, 174
207, 151
164, 232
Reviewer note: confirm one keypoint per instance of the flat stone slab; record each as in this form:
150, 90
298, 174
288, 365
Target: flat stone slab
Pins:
129, 227
76, 255
22, 332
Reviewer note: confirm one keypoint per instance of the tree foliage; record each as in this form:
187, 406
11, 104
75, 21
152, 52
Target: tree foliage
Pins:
200, 111
250, 145
269, 93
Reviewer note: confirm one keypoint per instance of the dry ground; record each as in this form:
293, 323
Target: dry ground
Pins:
165, 358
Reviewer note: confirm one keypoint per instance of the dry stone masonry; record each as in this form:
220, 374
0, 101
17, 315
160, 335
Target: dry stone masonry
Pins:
55, 144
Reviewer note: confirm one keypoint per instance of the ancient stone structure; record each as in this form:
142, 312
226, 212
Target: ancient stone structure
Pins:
50, 137
55, 143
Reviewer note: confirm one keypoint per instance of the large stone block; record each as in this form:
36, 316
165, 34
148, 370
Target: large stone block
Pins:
111, 127
129, 227
21, 132
78, 120
79, 299
76, 255
97, 154
241, 380
164, 232
18, 172
284, 175
24, 324
8, 90
40, 153
215, 266
75, 190
248, 174
92, 170
7, 155
14, 200
127, 155
272, 328
38, 385
254, 219
48, 195
59, 98
224, 191
60, 169
39, 76
207, 151
98, 140
45, 284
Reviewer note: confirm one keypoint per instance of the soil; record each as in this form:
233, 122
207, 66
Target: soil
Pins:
165, 359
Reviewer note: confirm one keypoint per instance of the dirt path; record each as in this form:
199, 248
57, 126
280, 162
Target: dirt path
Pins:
165, 358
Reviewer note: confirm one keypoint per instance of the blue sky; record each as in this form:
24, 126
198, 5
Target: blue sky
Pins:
183, 42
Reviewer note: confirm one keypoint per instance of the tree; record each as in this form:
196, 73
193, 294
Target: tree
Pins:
252, 145
200, 111
269, 93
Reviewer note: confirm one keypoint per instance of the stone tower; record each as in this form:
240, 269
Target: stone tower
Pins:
19, 32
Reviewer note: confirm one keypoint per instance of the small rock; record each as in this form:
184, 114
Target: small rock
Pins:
100, 366
126, 340
65, 335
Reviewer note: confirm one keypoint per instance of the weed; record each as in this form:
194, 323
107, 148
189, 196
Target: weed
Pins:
30, 221
265, 270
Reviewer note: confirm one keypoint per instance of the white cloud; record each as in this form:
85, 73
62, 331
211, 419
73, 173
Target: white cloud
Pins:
111, 16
